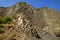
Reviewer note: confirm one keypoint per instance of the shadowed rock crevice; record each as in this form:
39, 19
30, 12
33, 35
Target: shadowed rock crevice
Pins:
35, 34
57, 35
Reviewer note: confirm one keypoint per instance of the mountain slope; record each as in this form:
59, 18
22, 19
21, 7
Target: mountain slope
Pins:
32, 24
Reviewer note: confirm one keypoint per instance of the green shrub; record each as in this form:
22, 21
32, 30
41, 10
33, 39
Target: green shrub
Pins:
1, 30
5, 20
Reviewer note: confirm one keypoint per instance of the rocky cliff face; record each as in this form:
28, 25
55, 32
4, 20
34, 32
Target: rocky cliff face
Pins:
32, 24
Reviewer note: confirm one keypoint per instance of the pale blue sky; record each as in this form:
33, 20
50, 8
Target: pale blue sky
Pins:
35, 3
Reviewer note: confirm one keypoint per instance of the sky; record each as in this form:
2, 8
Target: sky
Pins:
35, 3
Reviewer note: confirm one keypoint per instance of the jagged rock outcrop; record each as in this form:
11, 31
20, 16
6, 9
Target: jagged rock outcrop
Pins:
32, 24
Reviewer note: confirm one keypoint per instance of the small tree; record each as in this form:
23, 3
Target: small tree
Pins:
7, 20
1, 30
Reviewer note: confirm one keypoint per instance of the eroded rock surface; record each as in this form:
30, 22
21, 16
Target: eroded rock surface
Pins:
32, 24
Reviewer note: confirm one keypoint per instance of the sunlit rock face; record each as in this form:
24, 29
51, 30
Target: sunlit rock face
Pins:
32, 24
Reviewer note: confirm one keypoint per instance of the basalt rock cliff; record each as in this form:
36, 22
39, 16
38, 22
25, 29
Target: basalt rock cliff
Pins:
30, 23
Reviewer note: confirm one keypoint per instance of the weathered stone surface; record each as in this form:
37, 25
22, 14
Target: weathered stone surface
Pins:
32, 24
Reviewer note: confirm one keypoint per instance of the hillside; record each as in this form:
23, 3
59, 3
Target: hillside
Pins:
25, 22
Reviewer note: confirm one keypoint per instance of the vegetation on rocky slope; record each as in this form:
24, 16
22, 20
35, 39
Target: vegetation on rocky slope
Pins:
5, 20
29, 23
